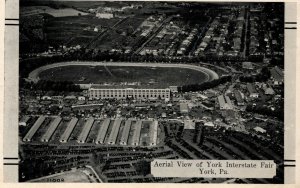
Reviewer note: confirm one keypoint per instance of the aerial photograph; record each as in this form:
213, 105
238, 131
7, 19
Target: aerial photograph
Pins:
106, 87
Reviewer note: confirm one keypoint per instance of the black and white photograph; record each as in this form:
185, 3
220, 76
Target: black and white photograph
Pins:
116, 91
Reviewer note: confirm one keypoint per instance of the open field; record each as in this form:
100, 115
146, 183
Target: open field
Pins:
119, 36
74, 30
32, 10
151, 74
68, 177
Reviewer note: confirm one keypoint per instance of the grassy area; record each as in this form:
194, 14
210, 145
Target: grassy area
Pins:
32, 10
153, 77
74, 30
67, 177
121, 35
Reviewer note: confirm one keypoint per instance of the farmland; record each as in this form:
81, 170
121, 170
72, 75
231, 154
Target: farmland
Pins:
76, 30
119, 36
32, 10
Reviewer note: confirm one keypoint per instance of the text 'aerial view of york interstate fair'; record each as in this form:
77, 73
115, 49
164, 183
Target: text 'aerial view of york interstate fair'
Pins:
108, 87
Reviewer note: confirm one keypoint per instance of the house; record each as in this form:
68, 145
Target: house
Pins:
277, 75
252, 91
268, 90
239, 98
247, 65
184, 108
189, 124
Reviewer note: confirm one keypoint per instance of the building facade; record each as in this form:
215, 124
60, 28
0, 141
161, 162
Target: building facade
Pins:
123, 93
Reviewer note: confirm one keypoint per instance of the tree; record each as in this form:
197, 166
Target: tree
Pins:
143, 167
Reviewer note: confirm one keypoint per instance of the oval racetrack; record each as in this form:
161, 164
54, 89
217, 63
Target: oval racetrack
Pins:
210, 75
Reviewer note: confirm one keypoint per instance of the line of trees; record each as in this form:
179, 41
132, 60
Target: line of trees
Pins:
48, 85
263, 76
205, 85
278, 112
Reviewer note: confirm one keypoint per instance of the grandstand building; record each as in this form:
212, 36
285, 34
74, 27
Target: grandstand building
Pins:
123, 93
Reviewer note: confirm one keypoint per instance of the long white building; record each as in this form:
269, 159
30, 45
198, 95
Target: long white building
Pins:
71, 125
52, 127
125, 133
34, 129
123, 93
85, 130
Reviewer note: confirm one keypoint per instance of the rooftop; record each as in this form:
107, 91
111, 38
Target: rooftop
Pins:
251, 88
152, 86
277, 73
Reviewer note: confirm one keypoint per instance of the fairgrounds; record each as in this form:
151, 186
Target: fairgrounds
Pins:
209, 74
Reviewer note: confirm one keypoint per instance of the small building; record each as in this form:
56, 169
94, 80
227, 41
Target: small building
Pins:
224, 102
189, 124
203, 97
81, 98
24, 120
277, 75
268, 90
71, 97
46, 97
247, 65
259, 129
239, 98
209, 124
184, 108
173, 89
105, 15
252, 91
57, 97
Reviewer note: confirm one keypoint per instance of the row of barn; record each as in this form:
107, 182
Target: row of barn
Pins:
131, 128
